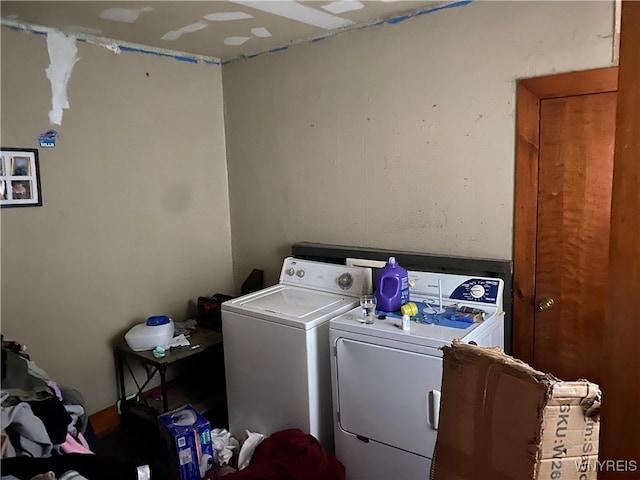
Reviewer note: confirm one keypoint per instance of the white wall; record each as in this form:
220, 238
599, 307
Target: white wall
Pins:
395, 136
135, 215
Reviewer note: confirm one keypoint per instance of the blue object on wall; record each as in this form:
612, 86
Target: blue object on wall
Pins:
47, 139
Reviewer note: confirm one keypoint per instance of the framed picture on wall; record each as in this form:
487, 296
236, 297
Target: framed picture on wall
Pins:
20, 178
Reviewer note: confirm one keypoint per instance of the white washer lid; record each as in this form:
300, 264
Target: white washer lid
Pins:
300, 307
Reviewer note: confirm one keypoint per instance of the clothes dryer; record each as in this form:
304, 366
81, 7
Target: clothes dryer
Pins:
276, 348
386, 382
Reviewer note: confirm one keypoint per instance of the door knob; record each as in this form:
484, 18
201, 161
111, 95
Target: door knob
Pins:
546, 303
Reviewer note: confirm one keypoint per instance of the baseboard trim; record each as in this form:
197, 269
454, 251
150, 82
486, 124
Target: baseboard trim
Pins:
105, 421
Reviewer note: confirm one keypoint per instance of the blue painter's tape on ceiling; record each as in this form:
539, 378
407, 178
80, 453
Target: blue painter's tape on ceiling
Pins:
158, 54
398, 19
443, 7
429, 10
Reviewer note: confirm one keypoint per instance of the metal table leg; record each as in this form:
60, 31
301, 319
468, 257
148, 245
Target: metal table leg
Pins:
163, 389
120, 375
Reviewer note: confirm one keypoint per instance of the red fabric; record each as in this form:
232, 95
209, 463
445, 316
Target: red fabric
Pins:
290, 455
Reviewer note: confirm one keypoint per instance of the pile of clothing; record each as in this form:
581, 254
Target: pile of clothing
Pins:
44, 425
39, 417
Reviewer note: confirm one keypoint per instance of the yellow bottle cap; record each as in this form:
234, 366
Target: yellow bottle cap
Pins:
410, 309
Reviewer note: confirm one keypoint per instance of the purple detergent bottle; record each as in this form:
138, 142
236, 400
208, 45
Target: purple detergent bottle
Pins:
393, 287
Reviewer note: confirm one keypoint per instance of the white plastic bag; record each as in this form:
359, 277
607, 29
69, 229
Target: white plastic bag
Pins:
248, 447
223, 445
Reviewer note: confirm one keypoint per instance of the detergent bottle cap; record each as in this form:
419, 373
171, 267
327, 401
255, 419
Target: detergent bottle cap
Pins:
410, 309
158, 320
392, 261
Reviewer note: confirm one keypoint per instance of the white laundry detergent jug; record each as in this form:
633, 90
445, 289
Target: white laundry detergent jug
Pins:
158, 330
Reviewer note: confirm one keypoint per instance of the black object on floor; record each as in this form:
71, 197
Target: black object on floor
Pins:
92, 467
138, 444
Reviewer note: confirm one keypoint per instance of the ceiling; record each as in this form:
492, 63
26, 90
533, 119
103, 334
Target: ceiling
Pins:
216, 30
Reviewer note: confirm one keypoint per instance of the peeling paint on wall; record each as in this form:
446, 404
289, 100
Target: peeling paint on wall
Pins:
124, 15
109, 46
116, 46
63, 55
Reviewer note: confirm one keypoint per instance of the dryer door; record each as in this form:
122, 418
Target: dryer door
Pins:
388, 395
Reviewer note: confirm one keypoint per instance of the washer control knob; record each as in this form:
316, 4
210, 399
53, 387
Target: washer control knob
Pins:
345, 281
290, 271
477, 291
300, 273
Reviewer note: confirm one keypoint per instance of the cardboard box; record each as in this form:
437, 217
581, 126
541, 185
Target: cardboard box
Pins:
502, 419
189, 434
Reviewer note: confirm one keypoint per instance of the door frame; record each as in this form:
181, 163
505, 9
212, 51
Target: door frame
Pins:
529, 94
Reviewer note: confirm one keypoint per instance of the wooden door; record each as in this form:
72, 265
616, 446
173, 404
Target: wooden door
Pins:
619, 432
575, 177
564, 164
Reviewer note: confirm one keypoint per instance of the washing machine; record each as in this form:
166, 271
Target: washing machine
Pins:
386, 381
276, 348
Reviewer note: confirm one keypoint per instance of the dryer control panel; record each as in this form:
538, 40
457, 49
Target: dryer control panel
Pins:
455, 288
477, 290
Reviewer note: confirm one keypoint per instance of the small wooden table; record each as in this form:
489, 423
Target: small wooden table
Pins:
206, 339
